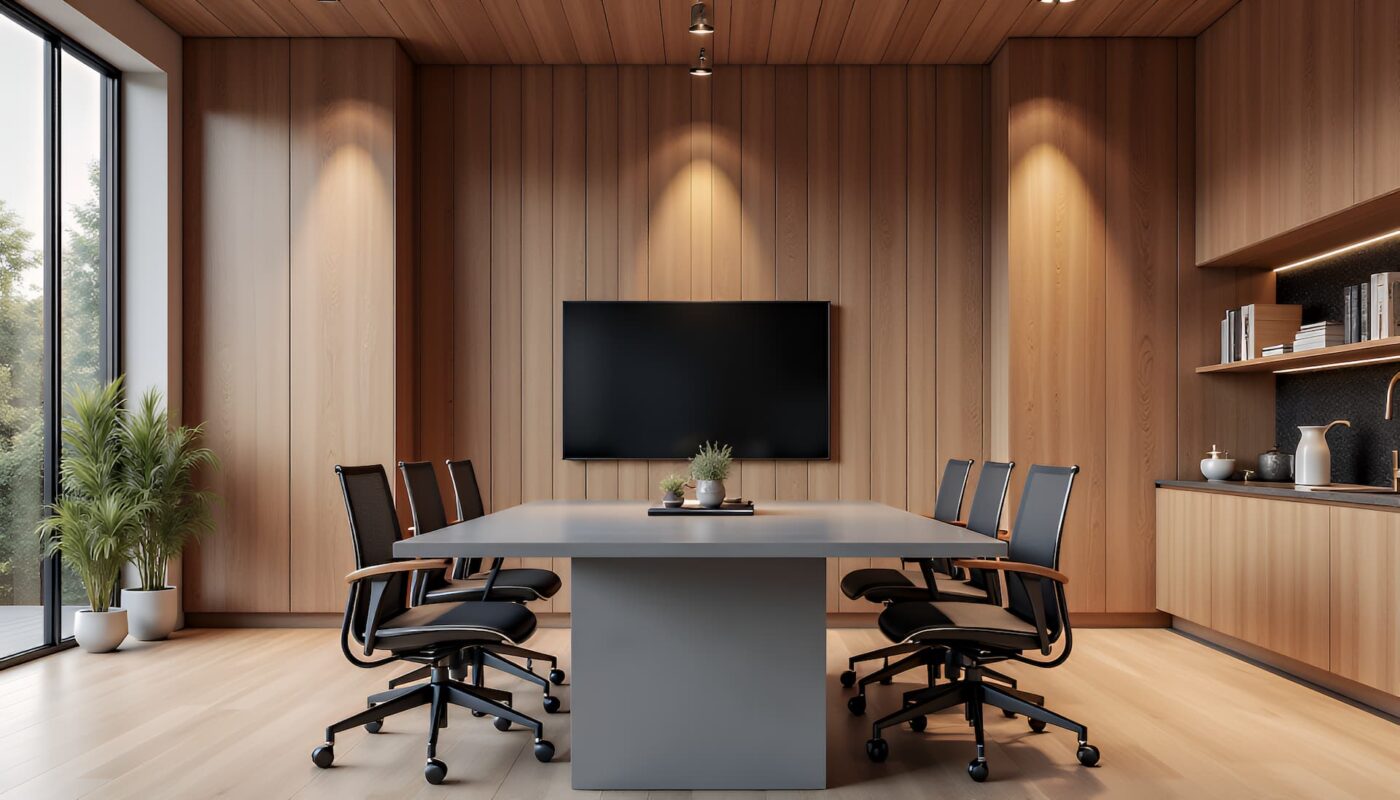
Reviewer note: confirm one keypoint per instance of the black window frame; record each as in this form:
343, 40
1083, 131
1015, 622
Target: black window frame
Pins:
58, 43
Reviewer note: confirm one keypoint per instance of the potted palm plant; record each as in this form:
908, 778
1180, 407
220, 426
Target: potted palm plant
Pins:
709, 467
159, 466
94, 523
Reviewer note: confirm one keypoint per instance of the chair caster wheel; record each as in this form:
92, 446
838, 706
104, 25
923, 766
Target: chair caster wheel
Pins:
1037, 725
848, 678
544, 751
323, 756
502, 724
856, 705
877, 749
918, 724
556, 677
375, 727
1088, 755
886, 681
977, 770
551, 704
1008, 714
478, 713
434, 771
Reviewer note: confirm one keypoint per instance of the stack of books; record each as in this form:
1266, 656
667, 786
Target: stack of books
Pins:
1318, 334
1279, 349
1247, 331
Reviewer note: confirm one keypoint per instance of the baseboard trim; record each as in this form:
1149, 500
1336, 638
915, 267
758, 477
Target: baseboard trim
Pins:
206, 619
1344, 689
1121, 619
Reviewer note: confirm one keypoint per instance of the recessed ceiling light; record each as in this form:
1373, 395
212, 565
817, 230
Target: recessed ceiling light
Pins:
1055, 2
702, 65
700, 20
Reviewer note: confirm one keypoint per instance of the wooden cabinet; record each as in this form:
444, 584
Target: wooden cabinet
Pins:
1269, 581
1184, 554
1365, 597
1315, 582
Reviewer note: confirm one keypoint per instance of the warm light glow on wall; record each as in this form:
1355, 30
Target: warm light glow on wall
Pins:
1339, 250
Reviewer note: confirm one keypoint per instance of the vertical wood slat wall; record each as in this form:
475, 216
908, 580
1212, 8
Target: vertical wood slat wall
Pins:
298, 266
859, 185
1093, 240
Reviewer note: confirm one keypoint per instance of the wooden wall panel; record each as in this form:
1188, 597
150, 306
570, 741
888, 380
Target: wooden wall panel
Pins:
342, 189
1377, 98
1056, 286
641, 183
1141, 311
436, 218
962, 320
237, 313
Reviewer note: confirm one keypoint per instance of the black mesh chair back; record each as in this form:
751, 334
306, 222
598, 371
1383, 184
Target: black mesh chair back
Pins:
469, 505
425, 501
1040, 523
985, 515
948, 505
374, 527
990, 497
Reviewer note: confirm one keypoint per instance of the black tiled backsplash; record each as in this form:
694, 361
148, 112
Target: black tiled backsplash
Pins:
1356, 394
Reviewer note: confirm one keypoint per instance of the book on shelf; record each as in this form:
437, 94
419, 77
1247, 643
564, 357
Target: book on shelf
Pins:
1278, 349
1385, 299
1319, 334
1247, 331
1349, 314
1363, 312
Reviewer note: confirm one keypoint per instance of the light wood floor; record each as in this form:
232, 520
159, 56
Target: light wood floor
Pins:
236, 713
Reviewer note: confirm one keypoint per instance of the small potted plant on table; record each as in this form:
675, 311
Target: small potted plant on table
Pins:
673, 488
709, 467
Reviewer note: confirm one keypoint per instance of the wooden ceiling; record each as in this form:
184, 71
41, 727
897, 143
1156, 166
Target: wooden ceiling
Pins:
654, 31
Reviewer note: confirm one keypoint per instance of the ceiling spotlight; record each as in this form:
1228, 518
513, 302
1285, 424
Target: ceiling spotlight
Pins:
702, 65
700, 20
1055, 2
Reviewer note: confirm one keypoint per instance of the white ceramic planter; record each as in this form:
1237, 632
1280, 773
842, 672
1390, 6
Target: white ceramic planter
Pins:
710, 493
99, 631
151, 614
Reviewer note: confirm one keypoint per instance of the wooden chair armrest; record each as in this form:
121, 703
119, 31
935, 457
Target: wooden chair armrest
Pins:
961, 523
1014, 566
411, 565
1004, 535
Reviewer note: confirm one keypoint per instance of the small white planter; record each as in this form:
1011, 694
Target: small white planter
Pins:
710, 493
152, 614
99, 631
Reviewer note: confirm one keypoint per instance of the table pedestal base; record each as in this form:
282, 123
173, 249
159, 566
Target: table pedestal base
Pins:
698, 673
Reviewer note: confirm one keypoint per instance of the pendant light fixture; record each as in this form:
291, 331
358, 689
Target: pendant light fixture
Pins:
702, 65
700, 19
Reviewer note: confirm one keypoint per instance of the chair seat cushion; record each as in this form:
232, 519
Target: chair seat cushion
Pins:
896, 586
512, 585
440, 623
955, 621
858, 583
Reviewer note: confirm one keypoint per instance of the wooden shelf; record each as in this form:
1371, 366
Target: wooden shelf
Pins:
1352, 224
1343, 355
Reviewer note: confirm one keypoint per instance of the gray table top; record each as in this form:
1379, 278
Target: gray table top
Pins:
778, 529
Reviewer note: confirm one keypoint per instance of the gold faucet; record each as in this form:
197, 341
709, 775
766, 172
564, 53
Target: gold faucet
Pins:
1394, 455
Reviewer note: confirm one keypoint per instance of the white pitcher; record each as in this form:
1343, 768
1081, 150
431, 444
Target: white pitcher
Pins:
1313, 463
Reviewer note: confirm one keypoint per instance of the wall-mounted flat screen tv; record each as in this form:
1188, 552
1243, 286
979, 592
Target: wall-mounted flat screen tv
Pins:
654, 380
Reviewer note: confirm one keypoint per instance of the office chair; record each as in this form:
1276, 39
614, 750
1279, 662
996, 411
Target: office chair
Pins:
975, 635
897, 586
509, 585
438, 636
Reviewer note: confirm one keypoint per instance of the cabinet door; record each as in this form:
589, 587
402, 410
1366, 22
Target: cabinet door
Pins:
1271, 568
1366, 597
1184, 554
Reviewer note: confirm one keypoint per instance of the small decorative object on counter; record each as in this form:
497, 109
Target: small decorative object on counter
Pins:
673, 489
1275, 466
709, 467
1218, 466
1314, 459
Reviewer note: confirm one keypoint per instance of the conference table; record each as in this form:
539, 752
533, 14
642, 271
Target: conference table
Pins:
698, 656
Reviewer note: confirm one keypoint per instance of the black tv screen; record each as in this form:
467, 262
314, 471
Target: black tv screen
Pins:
656, 379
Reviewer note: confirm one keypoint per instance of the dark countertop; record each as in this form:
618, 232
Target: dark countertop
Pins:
1285, 491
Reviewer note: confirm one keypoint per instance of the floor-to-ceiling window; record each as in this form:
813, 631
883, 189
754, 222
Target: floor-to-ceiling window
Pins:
57, 279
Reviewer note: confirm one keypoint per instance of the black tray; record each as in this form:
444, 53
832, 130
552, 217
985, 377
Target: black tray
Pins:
693, 509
